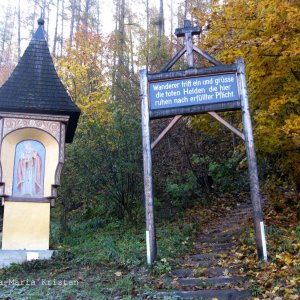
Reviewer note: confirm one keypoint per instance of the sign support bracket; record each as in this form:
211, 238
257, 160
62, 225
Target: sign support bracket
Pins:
174, 60
166, 130
207, 56
226, 124
178, 117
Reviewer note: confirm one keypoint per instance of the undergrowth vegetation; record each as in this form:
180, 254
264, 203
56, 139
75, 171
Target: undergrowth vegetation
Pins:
97, 261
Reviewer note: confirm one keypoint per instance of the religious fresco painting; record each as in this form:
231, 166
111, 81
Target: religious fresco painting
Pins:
28, 180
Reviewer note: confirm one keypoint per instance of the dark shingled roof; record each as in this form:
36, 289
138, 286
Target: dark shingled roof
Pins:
34, 86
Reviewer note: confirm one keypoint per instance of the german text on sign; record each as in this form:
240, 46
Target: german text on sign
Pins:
193, 91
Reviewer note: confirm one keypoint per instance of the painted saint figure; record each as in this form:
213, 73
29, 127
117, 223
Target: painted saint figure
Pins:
29, 172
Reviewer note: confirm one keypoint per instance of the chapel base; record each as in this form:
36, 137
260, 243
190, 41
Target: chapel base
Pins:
26, 226
9, 257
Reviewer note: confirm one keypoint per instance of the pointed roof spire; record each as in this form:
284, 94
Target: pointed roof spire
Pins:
34, 86
41, 21
39, 34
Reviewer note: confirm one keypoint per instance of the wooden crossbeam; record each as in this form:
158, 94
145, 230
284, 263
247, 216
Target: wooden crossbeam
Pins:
228, 125
166, 130
207, 56
174, 59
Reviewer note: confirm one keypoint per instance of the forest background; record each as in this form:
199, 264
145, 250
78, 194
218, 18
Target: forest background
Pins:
199, 161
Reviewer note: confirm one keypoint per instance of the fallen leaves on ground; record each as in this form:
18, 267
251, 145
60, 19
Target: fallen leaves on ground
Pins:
278, 278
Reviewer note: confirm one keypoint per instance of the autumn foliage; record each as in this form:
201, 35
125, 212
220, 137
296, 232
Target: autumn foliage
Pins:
82, 69
266, 34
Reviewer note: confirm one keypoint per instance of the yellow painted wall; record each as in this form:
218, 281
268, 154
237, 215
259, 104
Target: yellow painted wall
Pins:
8, 155
26, 226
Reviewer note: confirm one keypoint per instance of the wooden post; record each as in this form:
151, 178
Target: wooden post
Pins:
148, 185
252, 164
187, 32
189, 45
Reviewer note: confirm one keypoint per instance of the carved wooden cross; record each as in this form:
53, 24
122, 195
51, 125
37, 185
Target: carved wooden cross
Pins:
188, 31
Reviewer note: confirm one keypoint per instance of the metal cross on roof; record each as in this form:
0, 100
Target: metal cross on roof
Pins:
188, 31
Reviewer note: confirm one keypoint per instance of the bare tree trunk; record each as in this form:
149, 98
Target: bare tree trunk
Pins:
48, 18
114, 69
86, 16
131, 64
34, 17
42, 7
19, 30
98, 17
4, 35
78, 15
119, 57
185, 9
161, 23
172, 15
73, 12
62, 26
131, 47
55, 31
147, 38
45, 13
7, 36
121, 33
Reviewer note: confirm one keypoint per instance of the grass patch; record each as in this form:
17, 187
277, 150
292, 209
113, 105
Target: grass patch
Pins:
97, 263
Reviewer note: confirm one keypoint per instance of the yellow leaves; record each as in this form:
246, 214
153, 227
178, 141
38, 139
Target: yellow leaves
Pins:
226, 272
292, 128
278, 277
199, 272
266, 36
202, 277
82, 71
240, 255
286, 258
296, 247
294, 281
288, 292
277, 104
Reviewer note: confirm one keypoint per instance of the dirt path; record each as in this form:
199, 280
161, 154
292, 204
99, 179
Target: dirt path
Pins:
203, 274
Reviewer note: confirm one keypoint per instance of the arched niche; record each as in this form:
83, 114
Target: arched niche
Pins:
8, 152
29, 169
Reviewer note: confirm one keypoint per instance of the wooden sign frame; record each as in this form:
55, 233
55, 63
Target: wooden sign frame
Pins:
191, 74
243, 103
